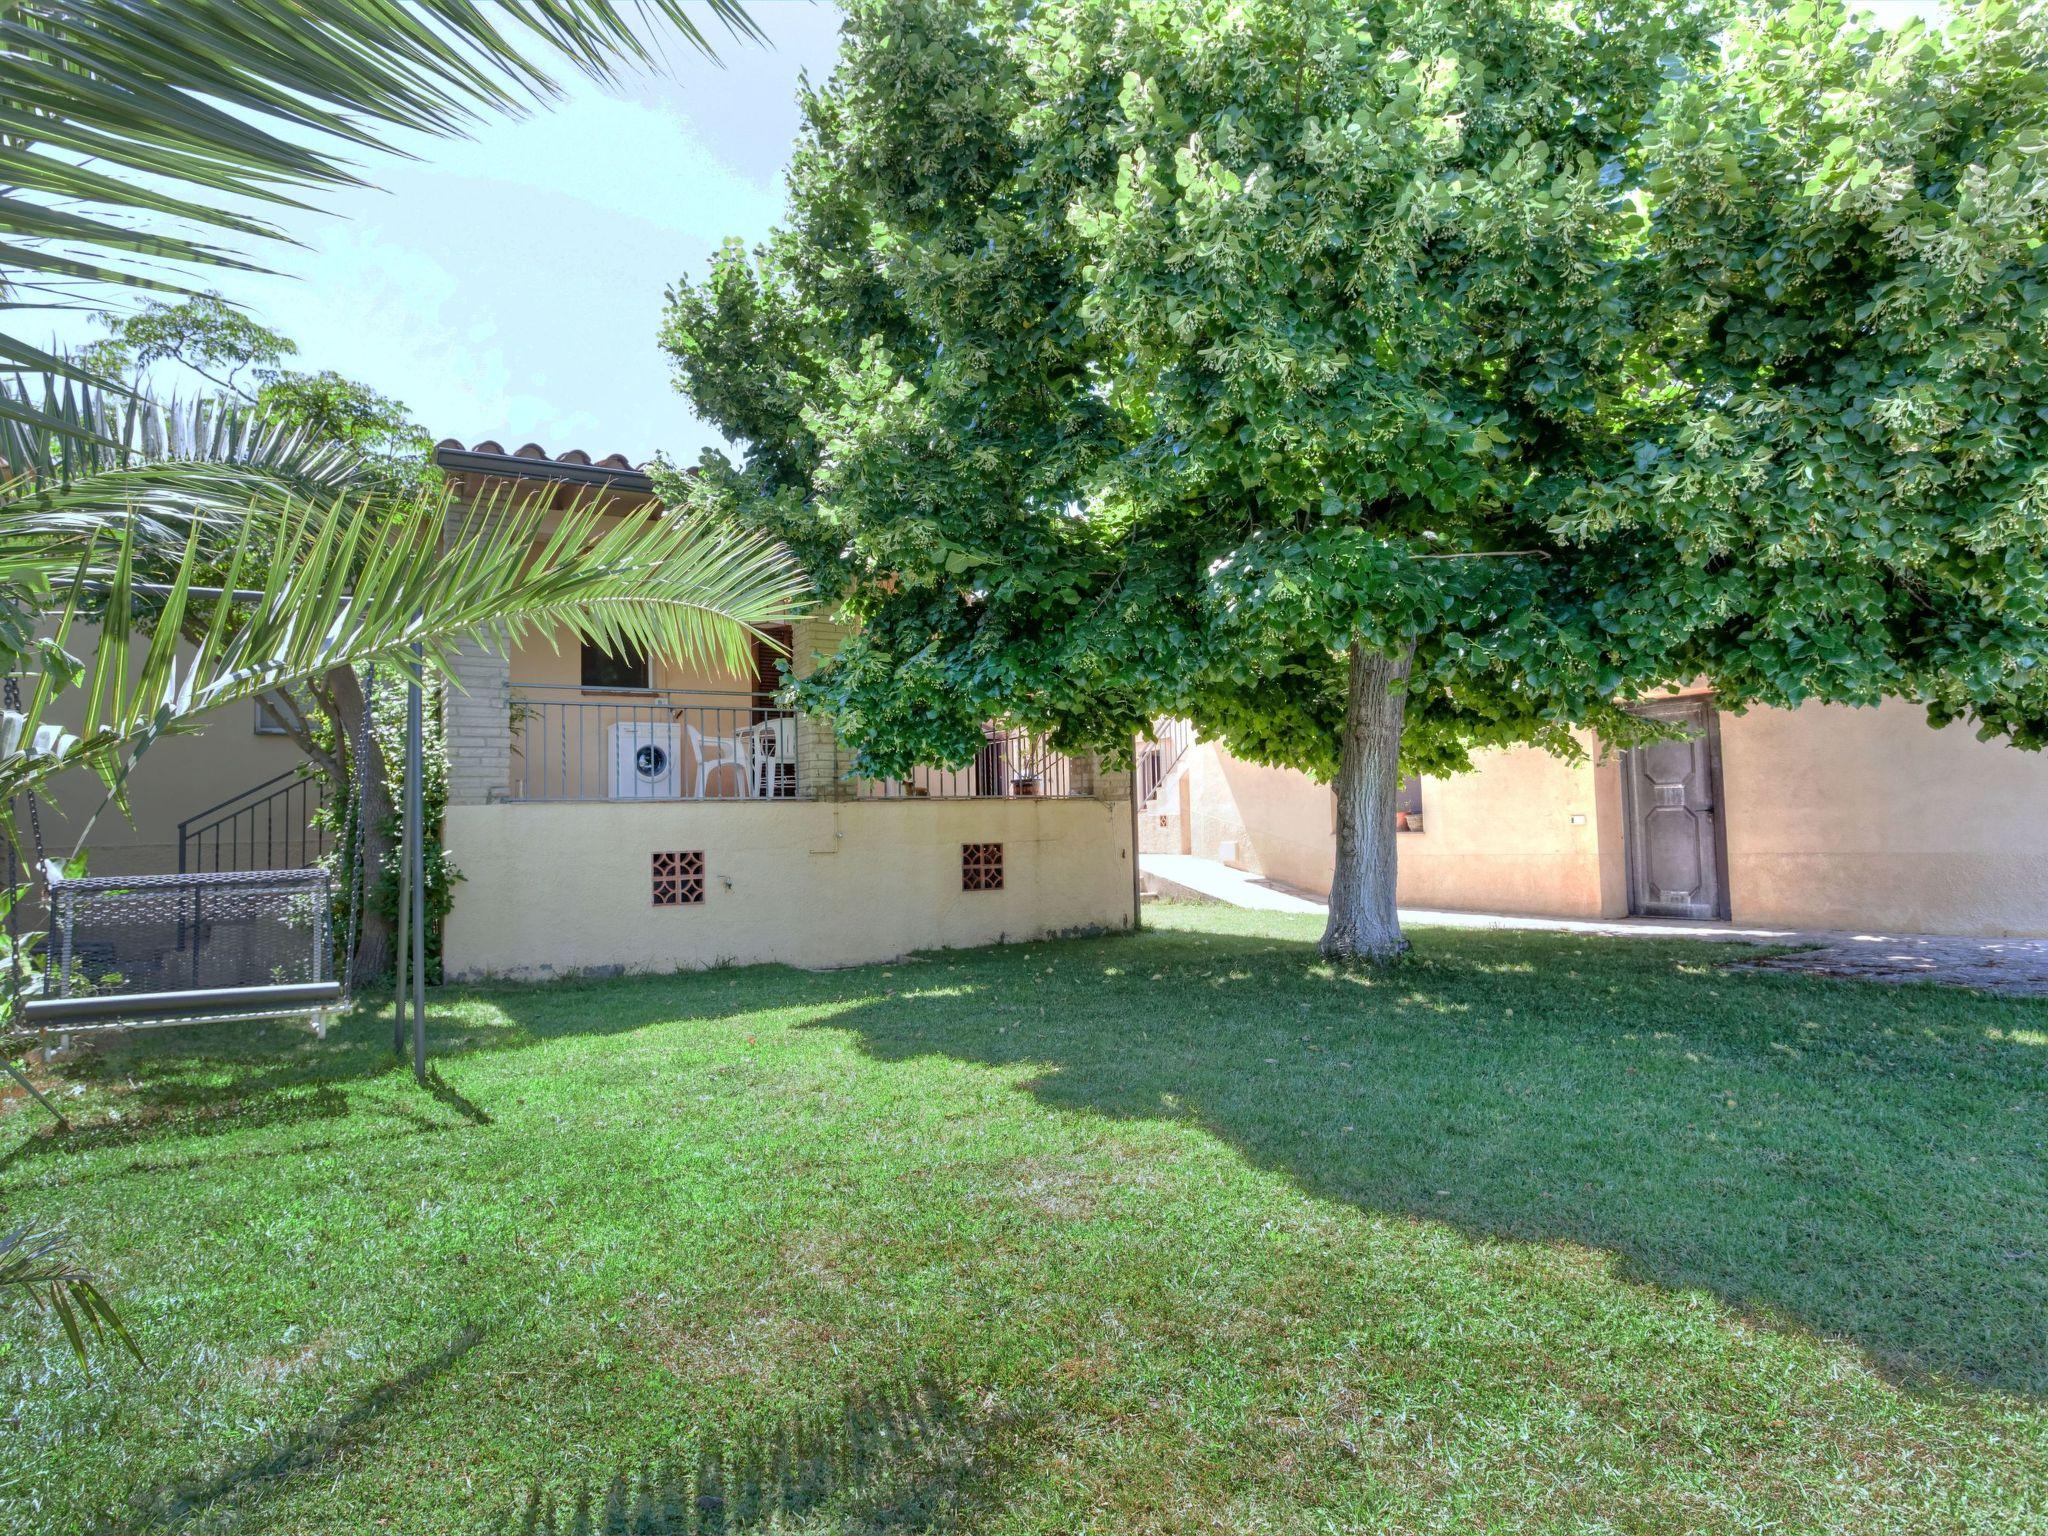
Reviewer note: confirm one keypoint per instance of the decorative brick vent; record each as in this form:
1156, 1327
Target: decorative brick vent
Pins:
981, 866
679, 878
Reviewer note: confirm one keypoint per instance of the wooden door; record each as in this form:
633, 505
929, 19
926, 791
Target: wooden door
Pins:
1677, 853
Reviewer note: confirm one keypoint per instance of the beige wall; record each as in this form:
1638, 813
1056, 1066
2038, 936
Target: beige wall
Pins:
1845, 818
562, 889
1522, 827
176, 778
1506, 830
1835, 818
535, 661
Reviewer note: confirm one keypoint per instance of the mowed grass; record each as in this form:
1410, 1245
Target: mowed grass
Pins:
1537, 1233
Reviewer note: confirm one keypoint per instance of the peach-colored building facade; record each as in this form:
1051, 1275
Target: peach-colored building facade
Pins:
565, 786
631, 814
645, 816
1819, 817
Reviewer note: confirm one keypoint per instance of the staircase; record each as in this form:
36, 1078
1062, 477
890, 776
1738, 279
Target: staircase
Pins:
267, 826
1158, 755
1162, 788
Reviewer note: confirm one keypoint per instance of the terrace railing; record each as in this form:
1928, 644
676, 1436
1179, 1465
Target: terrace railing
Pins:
569, 743
1011, 764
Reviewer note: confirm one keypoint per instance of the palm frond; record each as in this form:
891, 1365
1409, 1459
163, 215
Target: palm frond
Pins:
38, 1266
130, 134
348, 582
154, 469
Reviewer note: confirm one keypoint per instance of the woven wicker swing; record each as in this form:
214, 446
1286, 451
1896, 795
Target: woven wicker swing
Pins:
165, 951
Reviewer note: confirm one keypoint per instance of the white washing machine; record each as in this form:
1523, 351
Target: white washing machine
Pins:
647, 760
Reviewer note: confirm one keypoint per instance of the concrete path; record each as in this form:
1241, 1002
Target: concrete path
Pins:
2018, 967
1184, 876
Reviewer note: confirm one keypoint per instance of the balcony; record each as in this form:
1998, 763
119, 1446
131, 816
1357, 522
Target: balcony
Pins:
650, 744
570, 744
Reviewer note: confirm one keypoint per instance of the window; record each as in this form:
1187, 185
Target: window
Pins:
679, 879
1408, 805
267, 722
981, 866
602, 669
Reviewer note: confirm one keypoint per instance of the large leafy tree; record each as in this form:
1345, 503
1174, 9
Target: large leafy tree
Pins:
242, 362
1374, 382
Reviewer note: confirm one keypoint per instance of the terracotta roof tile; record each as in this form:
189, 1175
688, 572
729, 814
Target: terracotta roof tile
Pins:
451, 449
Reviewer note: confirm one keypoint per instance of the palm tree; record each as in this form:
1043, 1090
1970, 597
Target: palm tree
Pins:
318, 587
335, 583
133, 136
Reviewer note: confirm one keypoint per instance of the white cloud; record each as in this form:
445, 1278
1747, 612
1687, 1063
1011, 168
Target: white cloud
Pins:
630, 158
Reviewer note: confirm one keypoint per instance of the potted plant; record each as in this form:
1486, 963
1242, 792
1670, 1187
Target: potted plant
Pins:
1024, 783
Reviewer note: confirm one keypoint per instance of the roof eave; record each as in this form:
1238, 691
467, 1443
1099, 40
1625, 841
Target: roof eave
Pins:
515, 466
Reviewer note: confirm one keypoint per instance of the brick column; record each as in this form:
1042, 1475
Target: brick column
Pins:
821, 763
1087, 776
478, 719
477, 707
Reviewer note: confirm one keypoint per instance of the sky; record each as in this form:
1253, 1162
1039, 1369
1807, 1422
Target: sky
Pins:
509, 286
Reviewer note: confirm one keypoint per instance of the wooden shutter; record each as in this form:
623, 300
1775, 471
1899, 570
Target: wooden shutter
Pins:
768, 665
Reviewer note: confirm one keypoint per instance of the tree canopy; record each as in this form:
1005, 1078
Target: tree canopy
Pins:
1179, 357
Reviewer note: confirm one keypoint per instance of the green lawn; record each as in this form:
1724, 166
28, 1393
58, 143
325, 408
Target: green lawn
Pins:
1539, 1233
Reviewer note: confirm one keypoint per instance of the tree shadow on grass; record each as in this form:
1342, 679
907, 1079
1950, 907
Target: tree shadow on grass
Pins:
1864, 1162
238, 1112
1859, 1161
211, 1079
251, 1479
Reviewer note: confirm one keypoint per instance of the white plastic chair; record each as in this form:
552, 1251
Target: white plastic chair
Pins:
713, 753
768, 744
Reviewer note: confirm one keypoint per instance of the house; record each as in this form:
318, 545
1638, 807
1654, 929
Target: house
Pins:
636, 813
1818, 817
639, 814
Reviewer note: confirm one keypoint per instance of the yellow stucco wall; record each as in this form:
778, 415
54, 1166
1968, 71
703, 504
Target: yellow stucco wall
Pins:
562, 889
1505, 830
1522, 827
1835, 818
1845, 818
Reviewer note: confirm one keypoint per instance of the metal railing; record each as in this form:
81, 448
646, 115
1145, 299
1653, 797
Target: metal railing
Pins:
267, 826
1157, 755
571, 743
1011, 764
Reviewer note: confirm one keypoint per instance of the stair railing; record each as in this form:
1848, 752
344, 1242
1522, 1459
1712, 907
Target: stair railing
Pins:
1159, 753
267, 826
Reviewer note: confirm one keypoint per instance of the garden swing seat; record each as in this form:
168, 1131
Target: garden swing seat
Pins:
154, 951
224, 946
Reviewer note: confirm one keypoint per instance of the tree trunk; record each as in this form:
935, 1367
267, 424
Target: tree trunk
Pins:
1364, 924
345, 703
